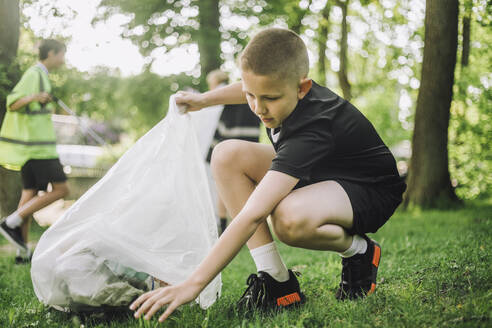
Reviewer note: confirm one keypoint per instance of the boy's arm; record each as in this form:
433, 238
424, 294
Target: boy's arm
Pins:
266, 196
230, 94
42, 97
27, 91
269, 192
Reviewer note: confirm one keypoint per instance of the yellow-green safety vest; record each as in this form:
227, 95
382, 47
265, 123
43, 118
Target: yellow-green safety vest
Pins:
28, 133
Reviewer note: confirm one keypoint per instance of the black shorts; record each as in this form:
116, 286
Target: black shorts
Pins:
372, 205
37, 173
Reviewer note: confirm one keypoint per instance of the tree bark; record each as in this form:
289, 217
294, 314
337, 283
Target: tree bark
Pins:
465, 53
9, 30
10, 191
209, 37
342, 72
324, 27
429, 182
10, 182
9, 41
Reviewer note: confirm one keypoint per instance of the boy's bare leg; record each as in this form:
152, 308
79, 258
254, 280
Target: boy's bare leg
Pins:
27, 195
311, 217
314, 217
237, 167
60, 190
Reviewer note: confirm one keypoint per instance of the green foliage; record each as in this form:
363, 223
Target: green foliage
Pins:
380, 106
435, 272
133, 104
7, 76
470, 128
270, 12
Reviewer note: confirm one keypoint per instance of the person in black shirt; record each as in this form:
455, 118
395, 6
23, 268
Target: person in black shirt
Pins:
328, 180
327, 138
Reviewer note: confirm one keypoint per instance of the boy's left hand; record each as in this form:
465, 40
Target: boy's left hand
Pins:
172, 296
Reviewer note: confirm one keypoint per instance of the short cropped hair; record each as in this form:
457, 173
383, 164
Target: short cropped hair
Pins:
49, 44
217, 75
278, 52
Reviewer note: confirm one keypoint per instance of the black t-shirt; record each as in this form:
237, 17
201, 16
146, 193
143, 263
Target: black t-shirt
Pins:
327, 138
236, 122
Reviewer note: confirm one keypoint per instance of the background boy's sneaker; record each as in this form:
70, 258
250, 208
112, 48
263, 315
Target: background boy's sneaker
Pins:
266, 293
23, 256
13, 235
359, 273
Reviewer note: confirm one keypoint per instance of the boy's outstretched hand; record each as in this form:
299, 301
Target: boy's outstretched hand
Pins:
172, 296
191, 101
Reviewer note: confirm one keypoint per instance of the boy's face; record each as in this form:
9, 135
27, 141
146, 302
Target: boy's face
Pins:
56, 59
273, 99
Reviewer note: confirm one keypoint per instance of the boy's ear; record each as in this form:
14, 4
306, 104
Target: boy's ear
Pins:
304, 87
51, 53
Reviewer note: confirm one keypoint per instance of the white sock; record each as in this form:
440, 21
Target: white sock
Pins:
13, 220
268, 259
359, 246
21, 252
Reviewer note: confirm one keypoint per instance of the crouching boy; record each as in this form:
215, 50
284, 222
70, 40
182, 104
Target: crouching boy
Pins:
327, 181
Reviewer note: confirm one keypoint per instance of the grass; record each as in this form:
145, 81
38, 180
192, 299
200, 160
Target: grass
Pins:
435, 272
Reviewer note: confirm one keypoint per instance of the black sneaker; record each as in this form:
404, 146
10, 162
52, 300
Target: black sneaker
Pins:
265, 293
13, 235
359, 273
24, 258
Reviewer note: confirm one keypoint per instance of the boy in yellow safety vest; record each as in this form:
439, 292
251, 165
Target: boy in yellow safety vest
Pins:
28, 144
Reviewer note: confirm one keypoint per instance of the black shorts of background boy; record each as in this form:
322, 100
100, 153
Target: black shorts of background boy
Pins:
327, 181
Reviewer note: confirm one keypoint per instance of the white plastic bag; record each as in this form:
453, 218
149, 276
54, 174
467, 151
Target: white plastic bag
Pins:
151, 214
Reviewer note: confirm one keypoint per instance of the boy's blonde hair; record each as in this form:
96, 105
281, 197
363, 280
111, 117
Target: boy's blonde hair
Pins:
278, 52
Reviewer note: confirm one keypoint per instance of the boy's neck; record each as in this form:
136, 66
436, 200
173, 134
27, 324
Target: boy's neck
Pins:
44, 64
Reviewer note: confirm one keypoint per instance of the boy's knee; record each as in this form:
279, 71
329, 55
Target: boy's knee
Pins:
225, 154
66, 192
62, 190
288, 222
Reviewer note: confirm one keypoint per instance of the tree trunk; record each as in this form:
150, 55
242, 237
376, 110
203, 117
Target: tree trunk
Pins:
9, 41
10, 191
9, 30
209, 37
429, 182
324, 27
465, 53
342, 72
10, 182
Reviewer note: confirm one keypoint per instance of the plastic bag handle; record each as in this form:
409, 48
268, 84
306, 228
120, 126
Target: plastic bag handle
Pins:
181, 109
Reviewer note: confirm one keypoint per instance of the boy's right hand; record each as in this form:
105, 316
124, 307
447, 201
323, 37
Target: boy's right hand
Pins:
42, 97
191, 101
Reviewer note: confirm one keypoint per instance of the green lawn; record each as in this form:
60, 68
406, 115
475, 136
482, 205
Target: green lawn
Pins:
435, 272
